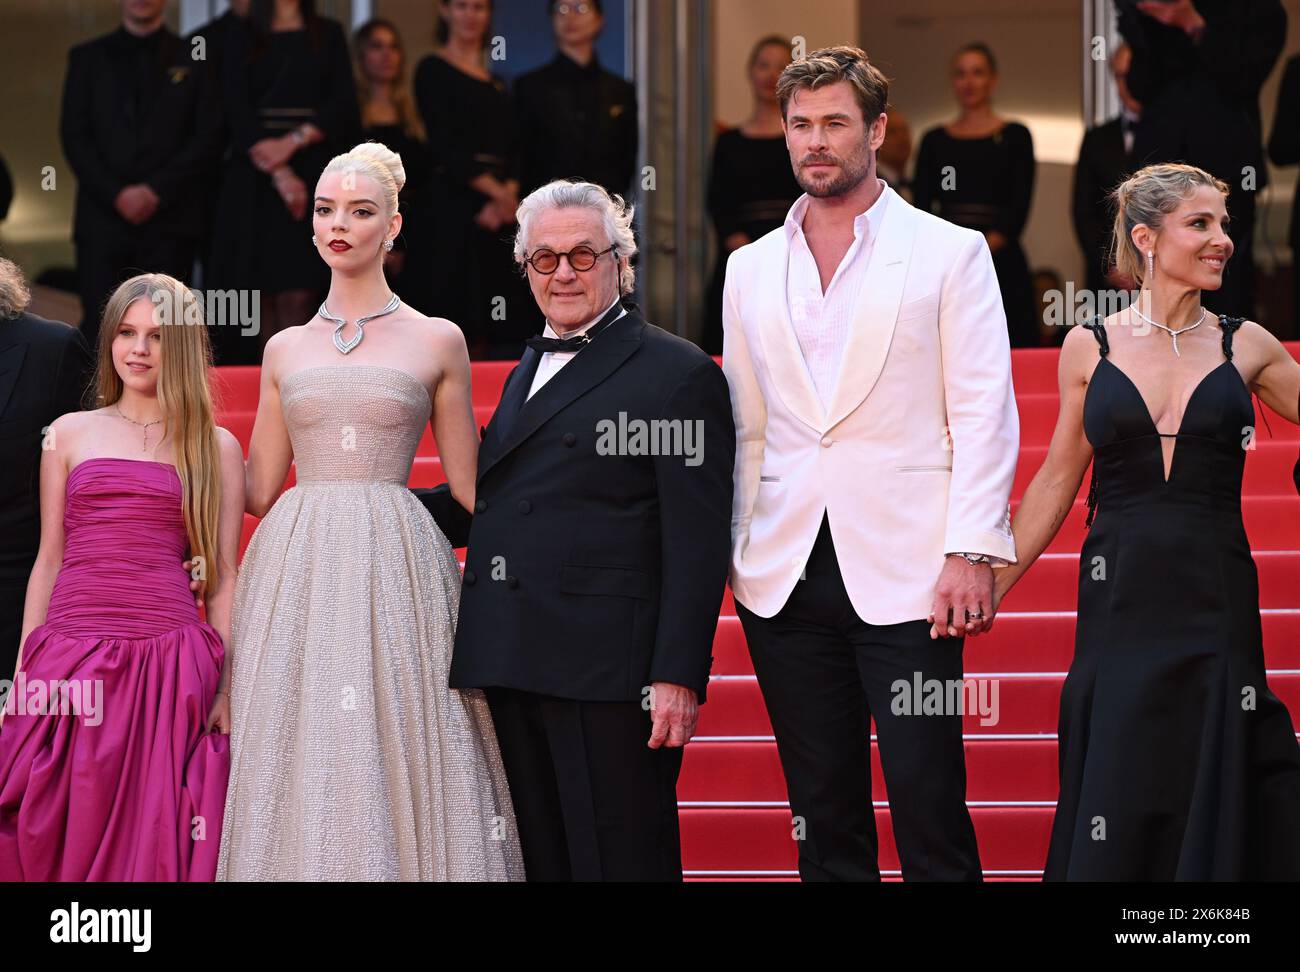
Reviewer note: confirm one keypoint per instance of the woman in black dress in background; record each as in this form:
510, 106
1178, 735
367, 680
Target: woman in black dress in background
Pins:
389, 116
1176, 761
751, 184
474, 191
980, 172
291, 106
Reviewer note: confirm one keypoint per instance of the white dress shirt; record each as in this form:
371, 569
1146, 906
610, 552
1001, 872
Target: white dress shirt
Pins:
553, 361
822, 320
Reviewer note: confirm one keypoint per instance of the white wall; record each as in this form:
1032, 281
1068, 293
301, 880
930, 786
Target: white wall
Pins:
739, 24
1040, 85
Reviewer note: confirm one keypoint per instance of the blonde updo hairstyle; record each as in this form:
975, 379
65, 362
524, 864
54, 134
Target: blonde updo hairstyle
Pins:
380, 163
1147, 197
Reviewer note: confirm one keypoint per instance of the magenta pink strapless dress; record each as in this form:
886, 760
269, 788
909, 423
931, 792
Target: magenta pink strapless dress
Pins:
113, 778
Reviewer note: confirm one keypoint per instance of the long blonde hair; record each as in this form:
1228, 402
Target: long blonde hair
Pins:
184, 398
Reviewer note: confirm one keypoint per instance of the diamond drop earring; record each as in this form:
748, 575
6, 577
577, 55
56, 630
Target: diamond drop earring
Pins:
313, 241
1151, 264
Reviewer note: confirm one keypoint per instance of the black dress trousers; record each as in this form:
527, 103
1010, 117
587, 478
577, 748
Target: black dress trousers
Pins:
592, 801
824, 674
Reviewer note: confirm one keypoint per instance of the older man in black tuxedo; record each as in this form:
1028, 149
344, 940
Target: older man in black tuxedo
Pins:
597, 554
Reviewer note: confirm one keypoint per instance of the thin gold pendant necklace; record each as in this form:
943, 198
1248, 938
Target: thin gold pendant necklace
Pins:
144, 447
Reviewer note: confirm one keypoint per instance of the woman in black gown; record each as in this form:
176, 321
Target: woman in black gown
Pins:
389, 116
291, 106
978, 172
474, 191
1176, 761
752, 184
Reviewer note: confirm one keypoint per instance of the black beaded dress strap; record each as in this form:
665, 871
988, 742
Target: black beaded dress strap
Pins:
1229, 327
1098, 328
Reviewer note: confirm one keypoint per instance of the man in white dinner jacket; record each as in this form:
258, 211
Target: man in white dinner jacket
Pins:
877, 435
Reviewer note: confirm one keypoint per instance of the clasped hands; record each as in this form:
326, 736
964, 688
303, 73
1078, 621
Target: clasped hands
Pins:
966, 598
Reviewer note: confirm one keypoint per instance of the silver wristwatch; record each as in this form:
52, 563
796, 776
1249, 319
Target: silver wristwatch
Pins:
975, 558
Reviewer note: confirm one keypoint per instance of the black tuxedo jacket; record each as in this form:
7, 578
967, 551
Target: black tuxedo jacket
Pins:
159, 127
1103, 164
593, 571
44, 367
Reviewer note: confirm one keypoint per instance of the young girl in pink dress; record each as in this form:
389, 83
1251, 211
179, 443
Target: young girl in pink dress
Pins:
113, 758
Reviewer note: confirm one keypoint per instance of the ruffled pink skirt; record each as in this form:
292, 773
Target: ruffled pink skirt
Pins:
106, 771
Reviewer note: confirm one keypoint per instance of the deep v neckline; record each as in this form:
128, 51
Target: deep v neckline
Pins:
1173, 457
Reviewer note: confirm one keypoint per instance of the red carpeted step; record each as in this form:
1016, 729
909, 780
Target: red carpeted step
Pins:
1052, 584
488, 380
427, 471
235, 388
1272, 523
1034, 370
1029, 642
995, 704
239, 424
1027, 704
1037, 417
996, 769
761, 839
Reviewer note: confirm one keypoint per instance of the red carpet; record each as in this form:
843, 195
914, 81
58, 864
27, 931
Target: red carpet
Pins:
735, 821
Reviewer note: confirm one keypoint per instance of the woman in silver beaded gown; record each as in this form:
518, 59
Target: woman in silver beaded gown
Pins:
351, 757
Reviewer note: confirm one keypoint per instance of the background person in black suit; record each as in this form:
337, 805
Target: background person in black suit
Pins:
1197, 70
1105, 160
577, 120
137, 135
44, 367
595, 571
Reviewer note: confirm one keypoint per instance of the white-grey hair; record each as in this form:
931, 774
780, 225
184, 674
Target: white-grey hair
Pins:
569, 194
15, 294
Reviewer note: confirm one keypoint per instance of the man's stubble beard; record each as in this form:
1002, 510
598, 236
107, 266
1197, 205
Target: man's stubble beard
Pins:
853, 172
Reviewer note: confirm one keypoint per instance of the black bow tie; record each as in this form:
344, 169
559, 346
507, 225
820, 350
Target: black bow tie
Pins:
544, 345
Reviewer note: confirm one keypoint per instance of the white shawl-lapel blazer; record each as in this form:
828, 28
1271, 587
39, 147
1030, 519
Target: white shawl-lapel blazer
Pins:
916, 455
